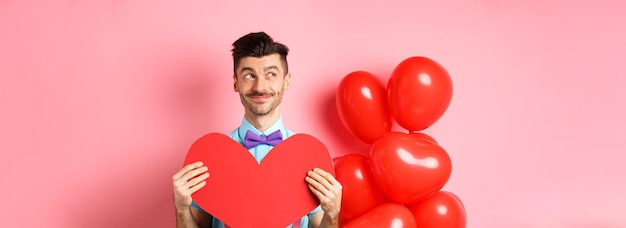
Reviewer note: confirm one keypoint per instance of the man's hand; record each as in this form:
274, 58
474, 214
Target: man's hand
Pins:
328, 191
187, 181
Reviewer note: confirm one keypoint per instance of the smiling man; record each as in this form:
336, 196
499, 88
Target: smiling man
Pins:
260, 77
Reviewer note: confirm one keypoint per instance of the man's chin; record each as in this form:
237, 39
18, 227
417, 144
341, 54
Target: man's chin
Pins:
260, 109
262, 112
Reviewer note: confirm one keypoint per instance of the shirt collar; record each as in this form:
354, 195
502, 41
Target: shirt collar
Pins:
245, 126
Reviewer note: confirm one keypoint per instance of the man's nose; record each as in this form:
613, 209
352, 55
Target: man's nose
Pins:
260, 84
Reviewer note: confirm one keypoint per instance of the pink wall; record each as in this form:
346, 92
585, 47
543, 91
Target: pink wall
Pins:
101, 99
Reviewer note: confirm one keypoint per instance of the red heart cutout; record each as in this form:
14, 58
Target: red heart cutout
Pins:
243, 193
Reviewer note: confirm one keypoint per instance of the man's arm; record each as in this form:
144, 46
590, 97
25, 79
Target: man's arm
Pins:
320, 219
328, 190
193, 218
187, 181
184, 218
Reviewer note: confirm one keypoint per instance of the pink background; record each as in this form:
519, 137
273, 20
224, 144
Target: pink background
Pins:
101, 100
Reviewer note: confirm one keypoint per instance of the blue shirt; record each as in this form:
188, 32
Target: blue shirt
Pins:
259, 152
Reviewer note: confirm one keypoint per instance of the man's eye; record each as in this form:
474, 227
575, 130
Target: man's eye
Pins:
248, 76
271, 75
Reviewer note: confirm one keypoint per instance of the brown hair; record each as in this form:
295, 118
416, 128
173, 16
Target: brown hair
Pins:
258, 44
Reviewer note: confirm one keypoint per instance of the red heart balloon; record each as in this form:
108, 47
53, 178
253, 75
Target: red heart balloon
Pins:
242, 193
360, 193
419, 92
362, 106
386, 215
441, 210
423, 136
407, 168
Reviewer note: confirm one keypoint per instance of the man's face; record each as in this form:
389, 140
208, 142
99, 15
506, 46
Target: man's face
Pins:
260, 83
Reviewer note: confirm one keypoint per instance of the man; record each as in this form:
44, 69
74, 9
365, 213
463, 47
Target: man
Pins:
260, 77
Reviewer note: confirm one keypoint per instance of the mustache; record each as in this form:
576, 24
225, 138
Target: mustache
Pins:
259, 93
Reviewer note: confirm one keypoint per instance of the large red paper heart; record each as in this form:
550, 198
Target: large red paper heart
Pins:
243, 193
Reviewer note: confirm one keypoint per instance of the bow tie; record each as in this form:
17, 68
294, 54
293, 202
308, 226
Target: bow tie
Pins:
252, 140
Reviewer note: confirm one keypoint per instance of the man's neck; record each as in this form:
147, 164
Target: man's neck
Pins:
264, 122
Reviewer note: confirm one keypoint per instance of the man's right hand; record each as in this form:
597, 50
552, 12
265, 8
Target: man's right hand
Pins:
187, 181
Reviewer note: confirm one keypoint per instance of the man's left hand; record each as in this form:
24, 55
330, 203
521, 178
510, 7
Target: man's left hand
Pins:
328, 191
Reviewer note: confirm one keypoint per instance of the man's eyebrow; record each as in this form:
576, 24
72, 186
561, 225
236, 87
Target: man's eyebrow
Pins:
246, 69
270, 68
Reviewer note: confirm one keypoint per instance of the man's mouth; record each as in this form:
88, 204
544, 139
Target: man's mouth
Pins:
260, 98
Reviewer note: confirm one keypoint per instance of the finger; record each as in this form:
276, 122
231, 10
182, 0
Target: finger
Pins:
329, 177
194, 173
334, 186
197, 180
191, 174
324, 200
318, 186
318, 194
186, 187
326, 175
320, 179
186, 169
197, 187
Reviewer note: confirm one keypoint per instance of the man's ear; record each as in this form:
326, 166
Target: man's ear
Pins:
287, 78
235, 87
